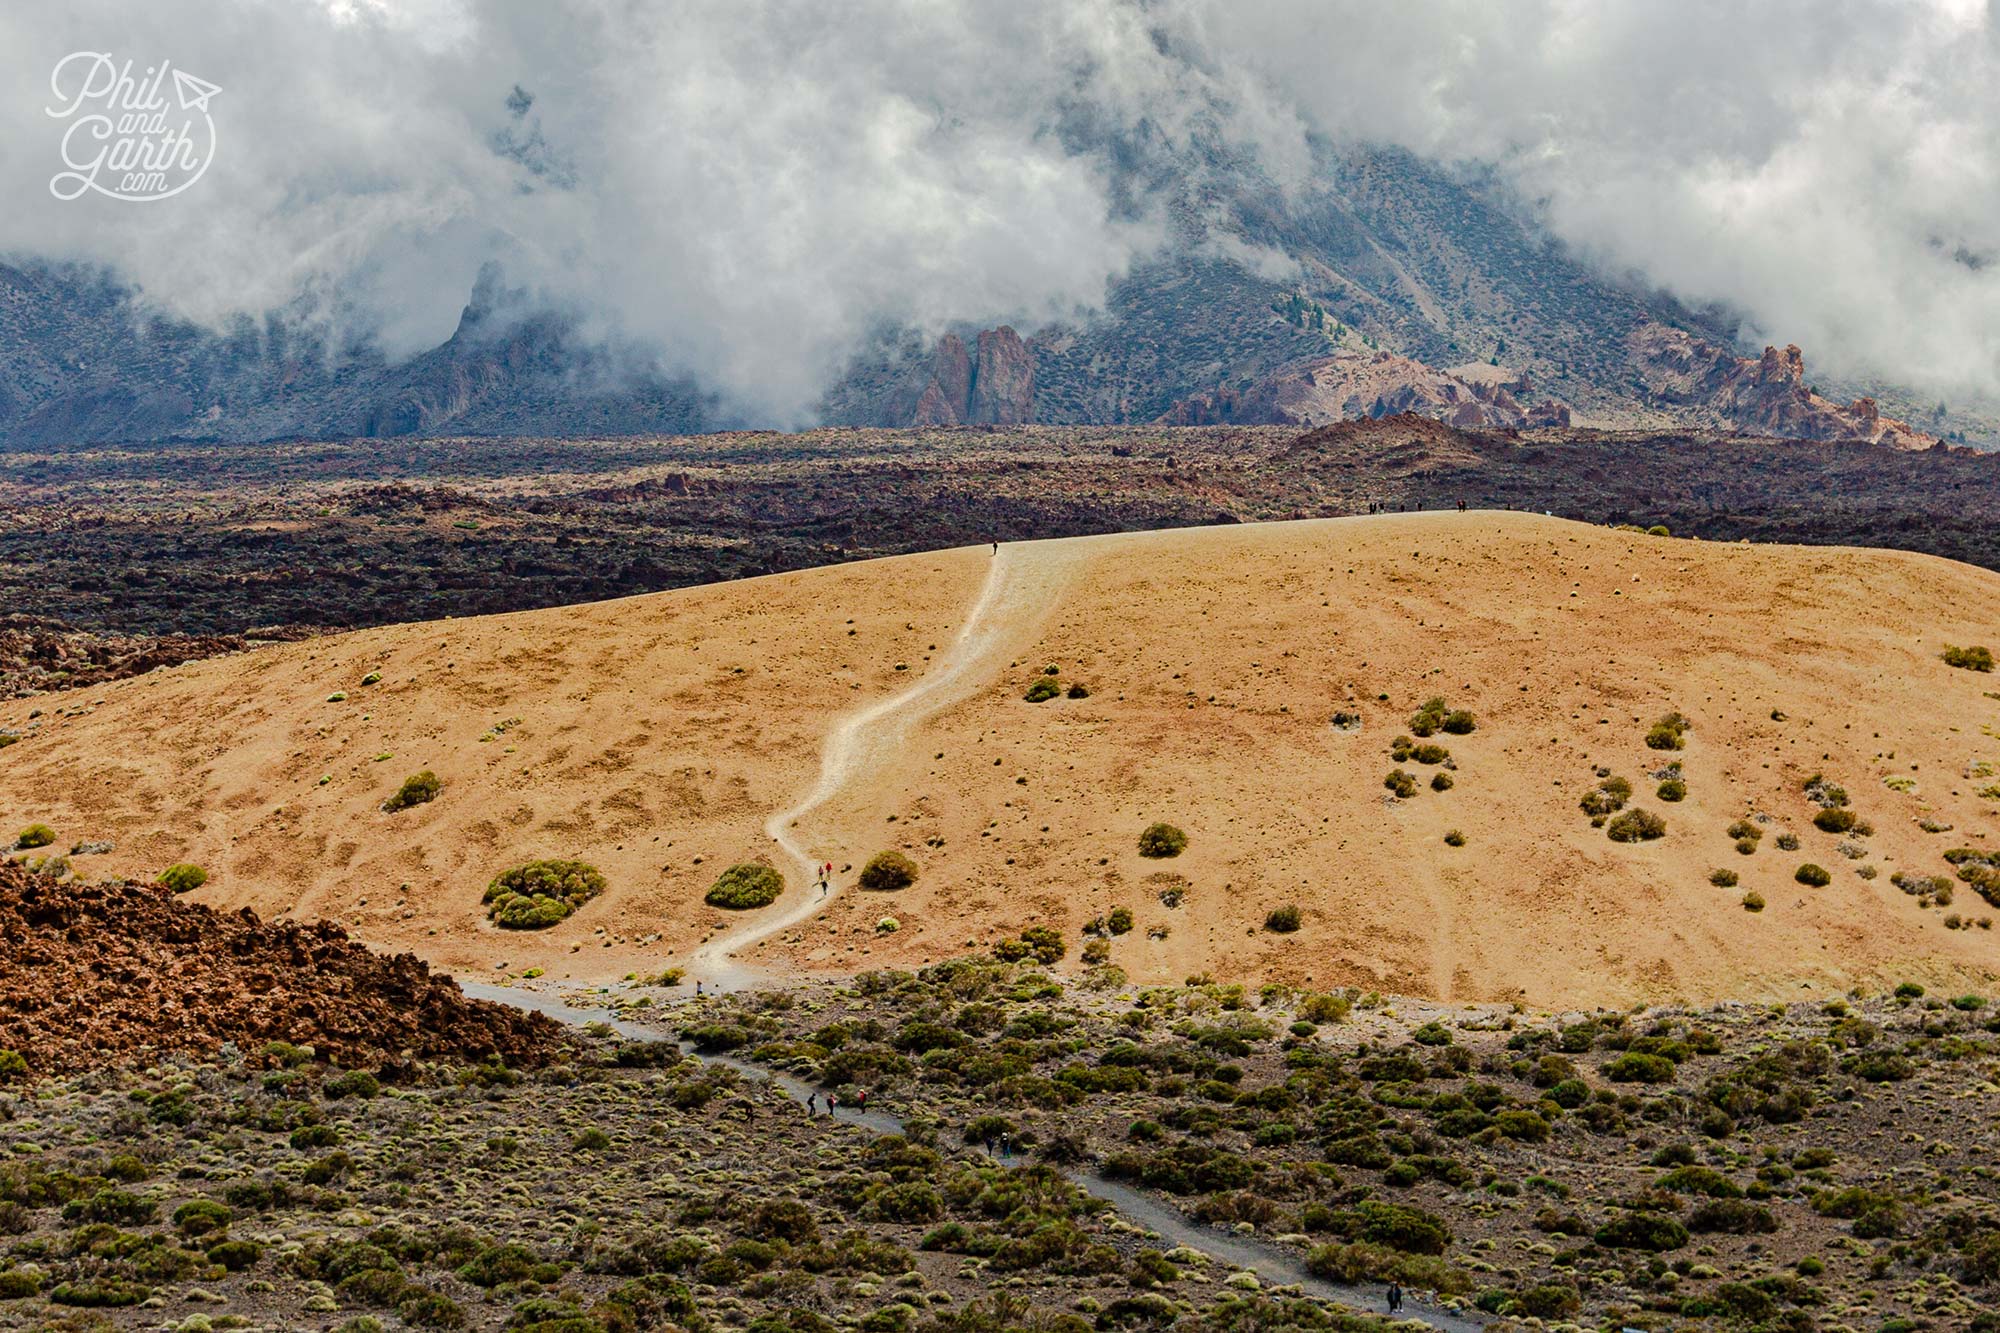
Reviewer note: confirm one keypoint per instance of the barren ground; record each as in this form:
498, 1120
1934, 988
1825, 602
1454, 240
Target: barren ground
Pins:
656, 736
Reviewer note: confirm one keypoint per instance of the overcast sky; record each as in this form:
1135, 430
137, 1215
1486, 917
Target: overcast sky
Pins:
747, 189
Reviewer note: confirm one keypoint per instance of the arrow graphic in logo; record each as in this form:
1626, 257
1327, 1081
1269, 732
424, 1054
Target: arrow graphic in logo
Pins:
194, 93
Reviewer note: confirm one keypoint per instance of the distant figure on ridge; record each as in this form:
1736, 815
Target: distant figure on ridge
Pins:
1395, 1298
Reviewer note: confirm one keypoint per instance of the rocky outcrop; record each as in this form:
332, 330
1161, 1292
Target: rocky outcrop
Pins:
1765, 395
108, 972
995, 387
1353, 384
1003, 380
38, 655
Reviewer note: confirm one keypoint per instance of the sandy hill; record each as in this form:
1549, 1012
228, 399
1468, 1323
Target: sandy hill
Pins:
874, 706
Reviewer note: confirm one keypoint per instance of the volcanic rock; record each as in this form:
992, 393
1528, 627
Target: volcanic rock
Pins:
1354, 384
1766, 395
1003, 380
118, 972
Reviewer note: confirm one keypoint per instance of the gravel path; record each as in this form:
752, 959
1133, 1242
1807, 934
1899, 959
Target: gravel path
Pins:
1271, 1263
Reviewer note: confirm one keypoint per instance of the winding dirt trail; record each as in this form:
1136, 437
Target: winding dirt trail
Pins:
1020, 589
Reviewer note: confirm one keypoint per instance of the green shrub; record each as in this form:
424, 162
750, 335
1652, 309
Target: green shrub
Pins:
745, 886
430, 1309
35, 835
235, 1255
1834, 820
1971, 659
1283, 920
887, 872
1636, 1067
1400, 783
1815, 876
100, 1294
198, 1217
1669, 733
1454, 838
1441, 782
13, 1066
1161, 840
1734, 1217
1077, 690
18, 1284
417, 789
538, 894
1636, 825
1723, 879
1120, 920
1672, 789
1459, 722
1642, 1231
1043, 690
1753, 901
183, 878
1042, 943
1608, 798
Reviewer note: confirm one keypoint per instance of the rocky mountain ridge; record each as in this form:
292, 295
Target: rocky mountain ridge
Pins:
1765, 395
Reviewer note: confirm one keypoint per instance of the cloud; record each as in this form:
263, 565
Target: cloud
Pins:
751, 190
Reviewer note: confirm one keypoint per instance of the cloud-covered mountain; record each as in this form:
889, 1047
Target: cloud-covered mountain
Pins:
771, 212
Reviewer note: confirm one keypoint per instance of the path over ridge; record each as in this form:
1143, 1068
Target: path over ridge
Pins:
1020, 587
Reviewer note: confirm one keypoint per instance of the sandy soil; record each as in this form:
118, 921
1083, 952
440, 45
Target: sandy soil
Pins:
665, 737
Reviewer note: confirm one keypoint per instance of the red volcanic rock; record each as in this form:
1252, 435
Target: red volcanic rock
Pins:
1766, 395
996, 388
1350, 385
111, 972
1003, 380
44, 655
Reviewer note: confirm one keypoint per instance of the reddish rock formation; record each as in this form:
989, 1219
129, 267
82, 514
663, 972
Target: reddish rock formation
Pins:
1003, 380
42, 655
1766, 395
998, 388
93, 973
1352, 384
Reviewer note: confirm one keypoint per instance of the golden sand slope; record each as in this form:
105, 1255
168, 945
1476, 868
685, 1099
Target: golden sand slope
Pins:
657, 736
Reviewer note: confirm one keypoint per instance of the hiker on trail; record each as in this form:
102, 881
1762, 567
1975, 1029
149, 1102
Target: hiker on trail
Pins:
1006, 1147
861, 1100
822, 886
832, 1103
996, 548
1461, 506
812, 1103
989, 1145
1395, 1298
697, 988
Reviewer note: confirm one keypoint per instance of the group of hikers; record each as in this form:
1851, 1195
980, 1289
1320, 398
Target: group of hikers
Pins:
833, 1102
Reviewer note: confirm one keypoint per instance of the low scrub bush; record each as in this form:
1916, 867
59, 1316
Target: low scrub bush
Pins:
538, 894
1815, 876
1401, 783
887, 872
1162, 840
417, 789
1283, 920
183, 878
1636, 826
35, 835
1043, 690
1976, 658
1669, 733
745, 886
